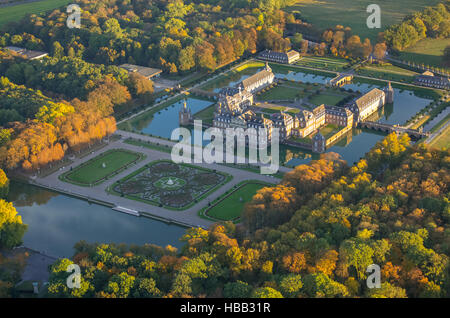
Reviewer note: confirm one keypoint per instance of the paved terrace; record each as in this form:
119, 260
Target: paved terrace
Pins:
188, 217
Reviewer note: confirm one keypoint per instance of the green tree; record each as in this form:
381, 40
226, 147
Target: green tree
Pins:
11, 227
266, 292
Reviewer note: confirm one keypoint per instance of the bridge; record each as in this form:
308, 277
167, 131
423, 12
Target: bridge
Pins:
393, 128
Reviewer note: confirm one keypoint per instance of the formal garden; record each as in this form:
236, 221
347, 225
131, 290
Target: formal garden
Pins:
99, 169
167, 184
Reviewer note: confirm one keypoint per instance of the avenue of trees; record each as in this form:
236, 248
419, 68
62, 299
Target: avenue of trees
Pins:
314, 235
43, 130
12, 230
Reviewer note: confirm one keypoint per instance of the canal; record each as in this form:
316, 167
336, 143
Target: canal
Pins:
56, 222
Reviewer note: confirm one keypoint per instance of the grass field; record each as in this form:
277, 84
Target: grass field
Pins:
329, 13
231, 207
17, 12
327, 99
329, 130
166, 184
427, 51
206, 115
443, 140
388, 72
148, 145
93, 171
332, 64
281, 92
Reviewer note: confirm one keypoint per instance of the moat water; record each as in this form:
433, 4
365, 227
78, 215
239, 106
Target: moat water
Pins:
57, 222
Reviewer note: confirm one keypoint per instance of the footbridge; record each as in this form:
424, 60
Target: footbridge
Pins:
393, 128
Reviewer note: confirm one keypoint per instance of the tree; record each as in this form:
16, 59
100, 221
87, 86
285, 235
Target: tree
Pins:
266, 292
291, 285
187, 58
237, 289
50, 111
4, 184
446, 56
387, 291
57, 50
320, 285
11, 227
380, 50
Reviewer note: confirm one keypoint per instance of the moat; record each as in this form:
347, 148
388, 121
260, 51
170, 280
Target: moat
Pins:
56, 222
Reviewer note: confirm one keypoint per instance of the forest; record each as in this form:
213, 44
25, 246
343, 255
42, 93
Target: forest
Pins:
433, 22
313, 235
174, 35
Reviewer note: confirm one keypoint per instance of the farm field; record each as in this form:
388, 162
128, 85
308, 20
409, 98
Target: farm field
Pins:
17, 12
329, 13
101, 167
427, 51
232, 206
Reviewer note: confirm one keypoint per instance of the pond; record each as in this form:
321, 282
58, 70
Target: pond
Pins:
164, 122
56, 222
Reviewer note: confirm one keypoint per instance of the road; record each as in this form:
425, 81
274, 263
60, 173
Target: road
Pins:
437, 133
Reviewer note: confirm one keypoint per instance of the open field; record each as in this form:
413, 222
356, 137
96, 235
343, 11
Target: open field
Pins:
17, 12
329, 13
282, 92
326, 63
388, 72
427, 51
102, 166
169, 185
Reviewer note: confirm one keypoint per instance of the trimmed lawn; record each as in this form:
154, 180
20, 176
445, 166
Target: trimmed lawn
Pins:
207, 114
281, 92
232, 206
17, 12
93, 171
388, 72
326, 99
329, 130
332, 64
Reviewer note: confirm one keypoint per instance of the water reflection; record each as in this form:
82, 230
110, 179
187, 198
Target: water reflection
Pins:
56, 222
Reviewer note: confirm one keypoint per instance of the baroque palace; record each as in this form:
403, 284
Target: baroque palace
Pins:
234, 110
